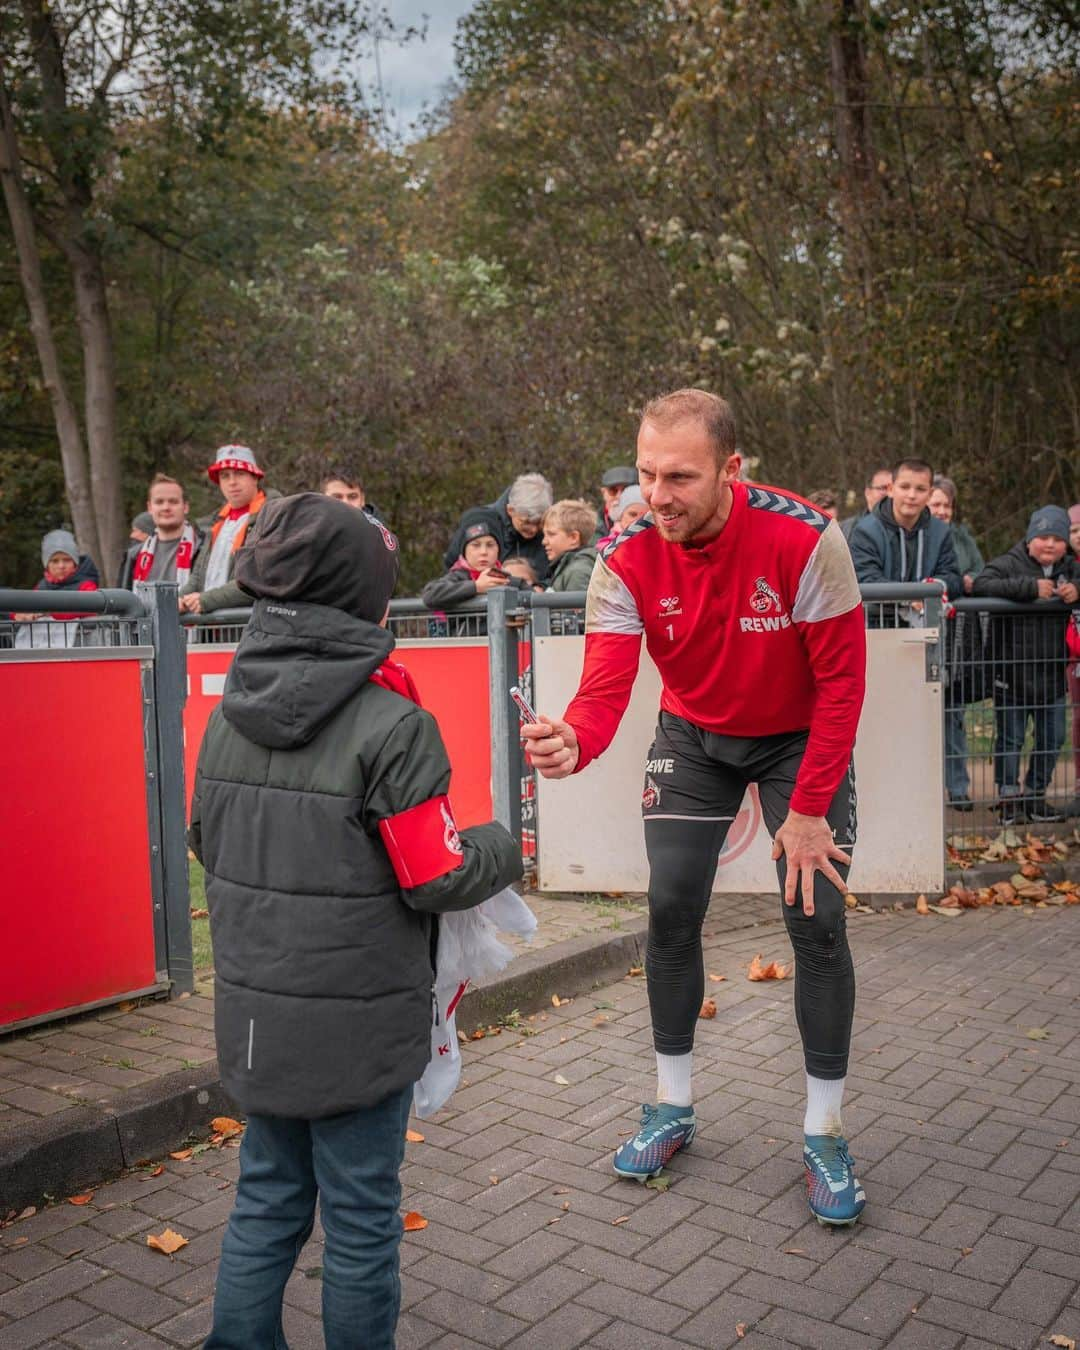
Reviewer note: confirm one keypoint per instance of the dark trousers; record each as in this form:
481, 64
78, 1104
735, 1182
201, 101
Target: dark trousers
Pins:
350, 1163
694, 785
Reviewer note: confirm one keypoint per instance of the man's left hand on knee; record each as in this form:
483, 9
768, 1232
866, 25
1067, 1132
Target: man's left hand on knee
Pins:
808, 845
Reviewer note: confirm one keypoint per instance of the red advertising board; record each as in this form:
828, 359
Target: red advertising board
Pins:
77, 910
453, 684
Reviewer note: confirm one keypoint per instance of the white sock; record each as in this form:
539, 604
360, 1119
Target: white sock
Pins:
673, 1074
823, 1100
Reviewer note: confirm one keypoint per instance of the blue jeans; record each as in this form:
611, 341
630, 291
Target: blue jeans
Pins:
351, 1163
957, 781
1010, 725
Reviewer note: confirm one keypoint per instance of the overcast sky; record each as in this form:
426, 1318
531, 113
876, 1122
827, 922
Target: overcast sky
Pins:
413, 75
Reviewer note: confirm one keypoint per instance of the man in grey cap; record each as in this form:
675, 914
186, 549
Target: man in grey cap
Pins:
1029, 657
611, 486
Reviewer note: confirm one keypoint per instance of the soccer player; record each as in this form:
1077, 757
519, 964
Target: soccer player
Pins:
750, 609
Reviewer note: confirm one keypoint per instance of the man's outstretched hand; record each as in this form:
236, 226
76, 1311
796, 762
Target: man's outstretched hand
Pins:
551, 747
808, 843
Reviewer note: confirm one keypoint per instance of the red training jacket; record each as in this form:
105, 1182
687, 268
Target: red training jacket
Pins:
757, 632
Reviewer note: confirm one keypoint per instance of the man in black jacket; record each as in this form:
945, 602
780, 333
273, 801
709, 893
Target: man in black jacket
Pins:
320, 814
1028, 654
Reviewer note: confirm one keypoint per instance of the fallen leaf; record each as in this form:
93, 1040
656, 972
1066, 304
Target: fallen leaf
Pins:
462, 1038
157, 1171
182, 1155
947, 911
599, 1021
565, 1205
167, 1242
413, 1137
922, 905
414, 1222
623, 1218
949, 901
1063, 1342
226, 1126
493, 1180
1037, 1034
708, 1009
200, 913
773, 971
636, 970
966, 1251
555, 1218
740, 1329
794, 1251
556, 1001
661, 1182
81, 1199
561, 1190
1031, 870
562, 1082
717, 979
478, 1034
128, 1005
850, 901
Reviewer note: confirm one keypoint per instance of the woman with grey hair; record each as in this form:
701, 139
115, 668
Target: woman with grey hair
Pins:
521, 510
965, 654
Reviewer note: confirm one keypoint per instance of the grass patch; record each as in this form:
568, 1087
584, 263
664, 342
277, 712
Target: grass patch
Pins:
202, 953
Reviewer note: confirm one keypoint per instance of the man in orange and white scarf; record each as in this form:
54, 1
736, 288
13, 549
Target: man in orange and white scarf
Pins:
238, 475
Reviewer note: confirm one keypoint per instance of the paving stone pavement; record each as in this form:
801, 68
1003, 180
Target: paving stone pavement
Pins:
95, 1058
966, 1129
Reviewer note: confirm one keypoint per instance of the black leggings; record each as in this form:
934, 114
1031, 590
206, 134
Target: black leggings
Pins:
694, 784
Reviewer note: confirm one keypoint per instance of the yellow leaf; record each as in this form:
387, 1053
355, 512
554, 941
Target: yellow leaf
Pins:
413, 1137
226, 1126
167, 1242
922, 905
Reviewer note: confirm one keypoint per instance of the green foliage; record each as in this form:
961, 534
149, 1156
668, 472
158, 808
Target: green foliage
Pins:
626, 196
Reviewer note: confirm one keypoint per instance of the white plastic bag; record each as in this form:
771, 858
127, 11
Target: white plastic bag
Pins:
468, 949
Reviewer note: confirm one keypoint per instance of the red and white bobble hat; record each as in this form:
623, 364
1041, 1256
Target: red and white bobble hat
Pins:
234, 457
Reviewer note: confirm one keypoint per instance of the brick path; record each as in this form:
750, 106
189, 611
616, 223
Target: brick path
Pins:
93, 1060
966, 1129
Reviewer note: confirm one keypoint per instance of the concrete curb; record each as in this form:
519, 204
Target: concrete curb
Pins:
81, 1147
88, 1144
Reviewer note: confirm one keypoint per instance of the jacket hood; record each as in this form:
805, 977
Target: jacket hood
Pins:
314, 549
295, 666
86, 571
884, 509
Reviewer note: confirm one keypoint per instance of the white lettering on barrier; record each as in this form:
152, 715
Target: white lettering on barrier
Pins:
213, 686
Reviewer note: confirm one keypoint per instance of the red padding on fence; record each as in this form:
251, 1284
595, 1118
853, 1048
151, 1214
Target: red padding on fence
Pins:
453, 687
77, 912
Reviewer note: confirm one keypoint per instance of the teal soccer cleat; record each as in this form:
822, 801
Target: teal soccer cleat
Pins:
835, 1193
663, 1131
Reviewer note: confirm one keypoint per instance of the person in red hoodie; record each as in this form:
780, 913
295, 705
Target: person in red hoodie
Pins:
478, 544
66, 569
747, 600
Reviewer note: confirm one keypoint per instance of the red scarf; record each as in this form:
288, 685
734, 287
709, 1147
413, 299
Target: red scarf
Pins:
185, 553
390, 675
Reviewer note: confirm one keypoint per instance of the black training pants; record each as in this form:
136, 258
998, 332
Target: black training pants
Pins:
694, 784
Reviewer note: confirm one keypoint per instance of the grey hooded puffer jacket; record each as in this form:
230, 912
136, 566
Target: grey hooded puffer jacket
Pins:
322, 962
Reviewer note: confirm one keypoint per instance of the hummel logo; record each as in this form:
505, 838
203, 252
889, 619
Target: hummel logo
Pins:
669, 606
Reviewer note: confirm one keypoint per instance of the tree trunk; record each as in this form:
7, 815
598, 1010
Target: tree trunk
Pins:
72, 451
847, 70
75, 177
99, 378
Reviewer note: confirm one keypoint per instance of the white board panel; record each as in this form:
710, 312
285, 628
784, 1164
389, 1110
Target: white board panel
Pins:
590, 832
